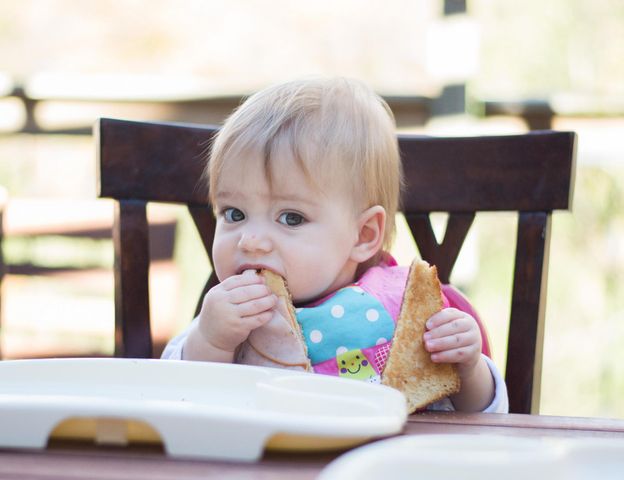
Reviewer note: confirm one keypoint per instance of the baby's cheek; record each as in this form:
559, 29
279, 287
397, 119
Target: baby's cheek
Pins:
306, 283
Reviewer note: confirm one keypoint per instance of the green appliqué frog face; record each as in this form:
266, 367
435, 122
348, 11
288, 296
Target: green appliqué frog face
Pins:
354, 364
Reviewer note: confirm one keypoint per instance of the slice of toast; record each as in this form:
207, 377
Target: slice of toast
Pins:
278, 343
409, 367
278, 286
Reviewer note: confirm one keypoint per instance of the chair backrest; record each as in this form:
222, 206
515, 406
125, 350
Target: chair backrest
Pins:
532, 174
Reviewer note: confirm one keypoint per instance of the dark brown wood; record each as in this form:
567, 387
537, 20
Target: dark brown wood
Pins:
526, 326
443, 255
532, 174
164, 161
156, 162
140, 463
132, 317
578, 426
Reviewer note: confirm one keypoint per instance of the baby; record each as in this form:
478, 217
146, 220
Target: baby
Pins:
305, 181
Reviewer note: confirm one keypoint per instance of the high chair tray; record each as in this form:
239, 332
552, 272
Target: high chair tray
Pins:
195, 409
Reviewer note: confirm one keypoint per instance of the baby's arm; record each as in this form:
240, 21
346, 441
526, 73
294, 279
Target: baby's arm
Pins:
230, 311
453, 336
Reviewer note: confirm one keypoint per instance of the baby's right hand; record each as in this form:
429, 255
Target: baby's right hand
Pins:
233, 308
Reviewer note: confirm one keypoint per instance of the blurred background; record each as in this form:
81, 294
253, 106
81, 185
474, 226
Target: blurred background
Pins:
447, 67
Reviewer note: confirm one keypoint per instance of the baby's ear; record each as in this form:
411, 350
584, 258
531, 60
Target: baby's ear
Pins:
371, 229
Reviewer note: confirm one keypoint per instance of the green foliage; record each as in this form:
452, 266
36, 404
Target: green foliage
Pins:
554, 46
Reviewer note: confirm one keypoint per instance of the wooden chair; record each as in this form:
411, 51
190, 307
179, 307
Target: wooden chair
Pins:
532, 174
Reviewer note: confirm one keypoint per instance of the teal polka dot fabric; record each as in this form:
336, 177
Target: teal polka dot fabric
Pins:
351, 319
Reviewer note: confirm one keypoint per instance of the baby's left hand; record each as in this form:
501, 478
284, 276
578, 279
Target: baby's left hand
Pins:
453, 336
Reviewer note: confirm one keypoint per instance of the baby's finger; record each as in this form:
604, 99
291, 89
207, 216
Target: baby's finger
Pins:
450, 342
455, 325
255, 321
256, 306
248, 292
456, 355
248, 277
443, 316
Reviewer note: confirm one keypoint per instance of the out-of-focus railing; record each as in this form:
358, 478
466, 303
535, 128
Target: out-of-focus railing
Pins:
78, 107
408, 110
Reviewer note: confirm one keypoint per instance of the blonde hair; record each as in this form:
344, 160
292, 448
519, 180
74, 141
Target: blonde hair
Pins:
337, 130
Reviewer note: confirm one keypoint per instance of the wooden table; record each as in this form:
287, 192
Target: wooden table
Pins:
78, 462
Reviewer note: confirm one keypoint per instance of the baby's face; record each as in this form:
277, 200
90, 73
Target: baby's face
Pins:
293, 229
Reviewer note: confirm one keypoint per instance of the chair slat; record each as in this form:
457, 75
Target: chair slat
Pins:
443, 255
526, 327
132, 317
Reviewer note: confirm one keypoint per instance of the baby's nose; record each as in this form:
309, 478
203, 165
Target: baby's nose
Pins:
255, 242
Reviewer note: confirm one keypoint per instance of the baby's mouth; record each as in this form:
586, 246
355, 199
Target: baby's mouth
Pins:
255, 268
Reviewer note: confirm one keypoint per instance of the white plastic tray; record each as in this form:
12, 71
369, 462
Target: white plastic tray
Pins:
195, 409
481, 457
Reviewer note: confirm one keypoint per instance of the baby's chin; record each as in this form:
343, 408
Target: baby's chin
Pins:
308, 294
309, 298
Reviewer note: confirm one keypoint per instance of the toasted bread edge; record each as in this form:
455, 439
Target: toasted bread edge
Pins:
277, 284
409, 367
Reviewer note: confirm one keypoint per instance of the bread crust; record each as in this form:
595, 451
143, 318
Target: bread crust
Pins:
409, 367
278, 343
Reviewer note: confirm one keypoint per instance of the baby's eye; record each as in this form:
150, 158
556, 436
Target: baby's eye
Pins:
233, 215
291, 219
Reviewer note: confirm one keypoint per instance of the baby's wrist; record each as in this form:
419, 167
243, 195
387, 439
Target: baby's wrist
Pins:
220, 354
468, 371
200, 347
217, 350
208, 338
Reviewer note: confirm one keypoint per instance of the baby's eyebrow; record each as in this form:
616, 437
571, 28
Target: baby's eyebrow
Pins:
228, 195
293, 197
225, 196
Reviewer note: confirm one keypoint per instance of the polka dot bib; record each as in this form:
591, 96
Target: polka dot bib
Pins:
340, 330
